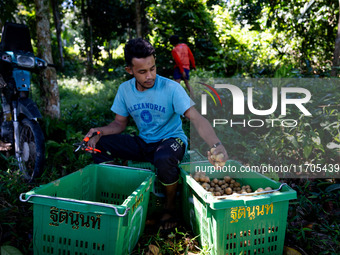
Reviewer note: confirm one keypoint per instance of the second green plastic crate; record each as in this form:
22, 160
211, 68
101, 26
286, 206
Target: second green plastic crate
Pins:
99, 210
248, 225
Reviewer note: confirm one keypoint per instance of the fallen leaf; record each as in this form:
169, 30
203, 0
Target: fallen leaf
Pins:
9, 250
290, 251
153, 250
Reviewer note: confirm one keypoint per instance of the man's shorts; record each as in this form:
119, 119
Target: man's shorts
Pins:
178, 74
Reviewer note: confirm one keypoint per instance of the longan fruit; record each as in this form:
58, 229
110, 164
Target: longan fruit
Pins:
219, 157
219, 164
218, 188
212, 150
227, 178
205, 185
228, 191
202, 178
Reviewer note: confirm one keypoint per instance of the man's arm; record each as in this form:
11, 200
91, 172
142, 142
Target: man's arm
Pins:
115, 127
191, 58
206, 132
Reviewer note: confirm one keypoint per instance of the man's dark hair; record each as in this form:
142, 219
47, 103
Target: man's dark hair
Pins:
174, 39
138, 48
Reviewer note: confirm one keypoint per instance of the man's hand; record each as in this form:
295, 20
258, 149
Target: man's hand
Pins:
184, 75
93, 141
5, 146
115, 127
218, 156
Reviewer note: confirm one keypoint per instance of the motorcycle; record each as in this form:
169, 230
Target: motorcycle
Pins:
19, 114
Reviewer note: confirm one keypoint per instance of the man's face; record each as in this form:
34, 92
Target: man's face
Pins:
144, 70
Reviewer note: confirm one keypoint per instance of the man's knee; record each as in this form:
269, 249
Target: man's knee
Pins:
166, 161
167, 168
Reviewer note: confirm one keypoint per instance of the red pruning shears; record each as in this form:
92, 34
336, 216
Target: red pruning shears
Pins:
83, 144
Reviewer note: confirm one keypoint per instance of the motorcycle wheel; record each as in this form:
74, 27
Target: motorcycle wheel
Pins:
32, 147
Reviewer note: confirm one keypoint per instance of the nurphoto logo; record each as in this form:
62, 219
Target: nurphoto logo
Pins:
244, 101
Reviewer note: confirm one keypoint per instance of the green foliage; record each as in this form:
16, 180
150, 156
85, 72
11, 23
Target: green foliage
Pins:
191, 21
233, 38
243, 51
304, 29
313, 227
84, 104
8, 7
16, 218
178, 241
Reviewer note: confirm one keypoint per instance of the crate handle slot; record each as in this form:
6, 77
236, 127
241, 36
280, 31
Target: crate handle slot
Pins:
75, 201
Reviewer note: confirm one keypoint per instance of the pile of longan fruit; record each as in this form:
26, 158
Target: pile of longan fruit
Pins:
225, 186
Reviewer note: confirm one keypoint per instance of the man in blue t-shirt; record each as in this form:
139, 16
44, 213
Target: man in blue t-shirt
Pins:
156, 104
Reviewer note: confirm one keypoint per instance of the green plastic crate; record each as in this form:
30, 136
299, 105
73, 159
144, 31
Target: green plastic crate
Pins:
99, 209
240, 225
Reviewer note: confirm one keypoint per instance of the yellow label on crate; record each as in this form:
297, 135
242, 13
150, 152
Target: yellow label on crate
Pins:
75, 219
137, 202
250, 212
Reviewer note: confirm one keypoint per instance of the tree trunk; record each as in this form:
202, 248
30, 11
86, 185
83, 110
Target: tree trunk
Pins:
138, 18
90, 50
57, 23
109, 49
88, 35
48, 78
336, 56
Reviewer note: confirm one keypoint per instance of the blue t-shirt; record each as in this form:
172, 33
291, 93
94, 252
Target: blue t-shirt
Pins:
156, 111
